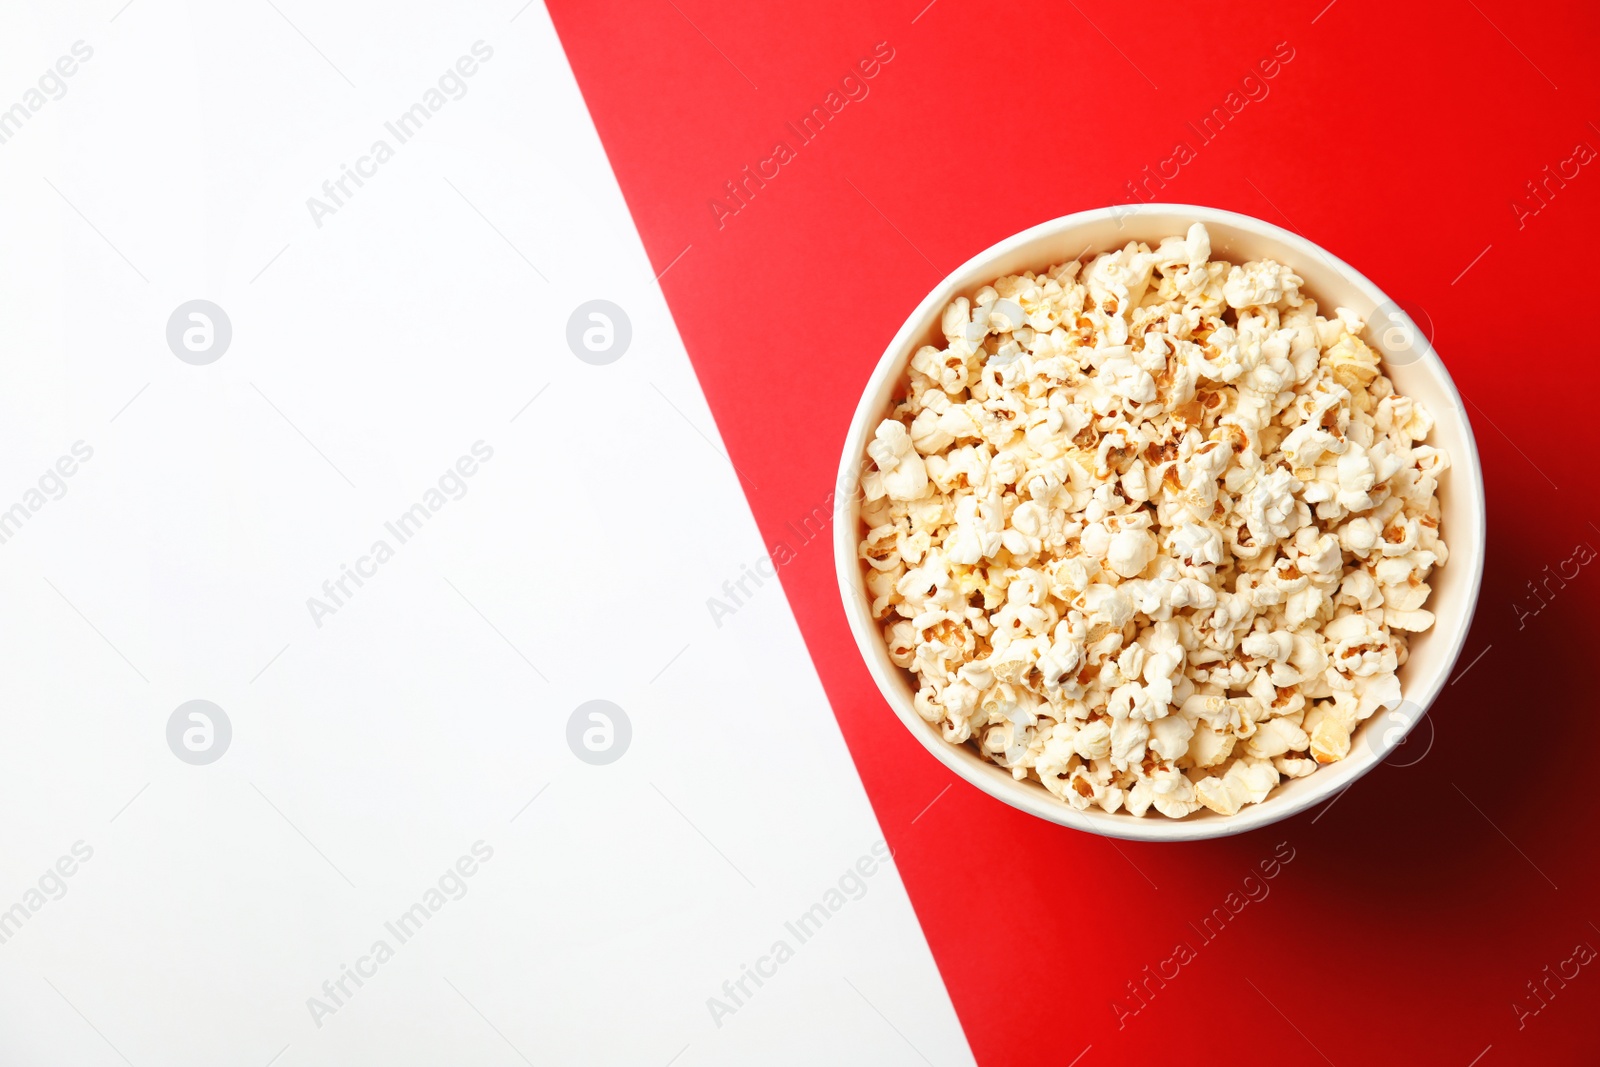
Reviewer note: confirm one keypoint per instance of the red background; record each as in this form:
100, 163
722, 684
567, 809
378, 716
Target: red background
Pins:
1399, 137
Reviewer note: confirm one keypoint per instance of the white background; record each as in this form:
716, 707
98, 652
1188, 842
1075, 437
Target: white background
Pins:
372, 752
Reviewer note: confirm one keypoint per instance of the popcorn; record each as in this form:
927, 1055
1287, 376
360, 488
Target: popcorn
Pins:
1129, 551
1261, 283
1152, 530
901, 474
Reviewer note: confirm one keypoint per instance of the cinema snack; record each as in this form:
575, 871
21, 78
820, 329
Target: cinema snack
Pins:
1152, 530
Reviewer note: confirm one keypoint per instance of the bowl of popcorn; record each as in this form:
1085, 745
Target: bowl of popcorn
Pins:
1163, 523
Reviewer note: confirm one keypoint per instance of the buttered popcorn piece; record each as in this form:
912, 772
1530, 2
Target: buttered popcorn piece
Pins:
1151, 529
